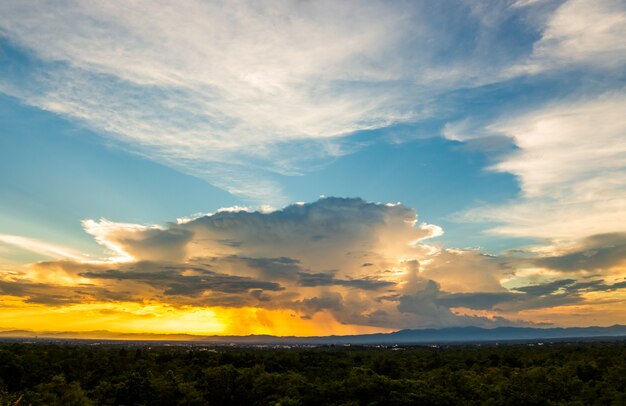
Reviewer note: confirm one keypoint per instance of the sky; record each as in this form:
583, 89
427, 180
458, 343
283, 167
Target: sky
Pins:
311, 167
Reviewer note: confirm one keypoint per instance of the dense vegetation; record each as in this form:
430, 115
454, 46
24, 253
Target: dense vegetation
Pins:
567, 374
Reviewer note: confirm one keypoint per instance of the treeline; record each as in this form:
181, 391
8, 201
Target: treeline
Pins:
563, 374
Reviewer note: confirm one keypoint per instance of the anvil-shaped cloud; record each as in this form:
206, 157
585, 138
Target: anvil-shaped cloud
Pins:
358, 263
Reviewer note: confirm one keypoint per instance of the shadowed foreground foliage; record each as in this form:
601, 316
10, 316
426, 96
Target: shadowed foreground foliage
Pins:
559, 374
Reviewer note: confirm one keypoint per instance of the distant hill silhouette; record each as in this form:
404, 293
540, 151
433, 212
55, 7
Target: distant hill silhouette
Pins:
418, 336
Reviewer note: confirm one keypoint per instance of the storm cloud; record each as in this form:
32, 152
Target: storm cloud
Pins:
361, 263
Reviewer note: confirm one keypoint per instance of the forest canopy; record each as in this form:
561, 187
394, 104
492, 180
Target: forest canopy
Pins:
552, 374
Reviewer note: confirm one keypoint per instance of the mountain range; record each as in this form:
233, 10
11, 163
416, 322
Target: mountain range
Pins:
404, 337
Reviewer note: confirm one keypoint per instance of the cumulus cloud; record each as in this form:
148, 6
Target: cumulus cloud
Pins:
130, 241
305, 257
360, 263
222, 92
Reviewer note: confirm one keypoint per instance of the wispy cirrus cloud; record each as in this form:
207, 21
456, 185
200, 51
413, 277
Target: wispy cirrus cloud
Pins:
221, 91
570, 157
41, 247
580, 32
234, 93
571, 165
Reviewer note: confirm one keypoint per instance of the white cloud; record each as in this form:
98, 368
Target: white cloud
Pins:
41, 247
348, 260
246, 72
128, 242
582, 32
466, 271
365, 263
319, 234
571, 166
571, 158
216, 91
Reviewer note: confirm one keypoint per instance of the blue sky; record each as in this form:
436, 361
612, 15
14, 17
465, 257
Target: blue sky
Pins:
64, 173
499, 124
59, 174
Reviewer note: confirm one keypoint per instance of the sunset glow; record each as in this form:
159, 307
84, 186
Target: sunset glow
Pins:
311, 168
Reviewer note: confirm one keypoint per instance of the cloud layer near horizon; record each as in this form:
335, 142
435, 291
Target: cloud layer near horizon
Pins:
350, 261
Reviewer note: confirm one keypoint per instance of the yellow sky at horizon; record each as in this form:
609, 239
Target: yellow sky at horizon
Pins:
161, 318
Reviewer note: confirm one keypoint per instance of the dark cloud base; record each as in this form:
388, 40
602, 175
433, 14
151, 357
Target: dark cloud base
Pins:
334, 255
